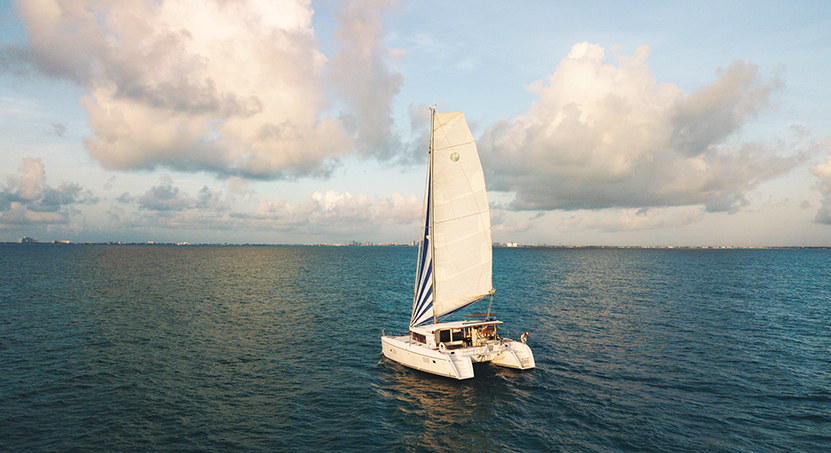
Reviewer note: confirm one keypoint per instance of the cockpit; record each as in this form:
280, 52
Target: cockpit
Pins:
455, 335
461, 337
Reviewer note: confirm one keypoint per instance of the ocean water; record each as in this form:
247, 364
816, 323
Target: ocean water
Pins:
162, 348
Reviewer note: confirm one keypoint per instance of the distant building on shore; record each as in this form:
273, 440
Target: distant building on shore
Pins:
27, 240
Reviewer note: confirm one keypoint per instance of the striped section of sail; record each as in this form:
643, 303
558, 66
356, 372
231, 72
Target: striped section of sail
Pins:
423, 303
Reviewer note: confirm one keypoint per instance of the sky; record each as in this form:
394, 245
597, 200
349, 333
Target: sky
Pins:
700, 123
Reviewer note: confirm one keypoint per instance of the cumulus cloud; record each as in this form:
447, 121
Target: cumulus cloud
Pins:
822, 171
234, 88
166, 197
27, 199
360, 71
604, 135
166, 205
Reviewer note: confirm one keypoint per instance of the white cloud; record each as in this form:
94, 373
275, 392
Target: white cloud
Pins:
234, 88
164, 198
32, 181
361, 72
166, 205
604, 135
822, 171
27, 199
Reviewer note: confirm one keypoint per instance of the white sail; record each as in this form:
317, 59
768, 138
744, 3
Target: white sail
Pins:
461, 236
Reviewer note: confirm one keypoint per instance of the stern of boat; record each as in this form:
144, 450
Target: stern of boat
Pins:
516, 355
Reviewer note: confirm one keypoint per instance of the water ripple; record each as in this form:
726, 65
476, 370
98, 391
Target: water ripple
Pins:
277, 349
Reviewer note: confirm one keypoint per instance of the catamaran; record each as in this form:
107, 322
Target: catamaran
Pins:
454, 266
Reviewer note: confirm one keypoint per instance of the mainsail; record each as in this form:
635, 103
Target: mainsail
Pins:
455, 260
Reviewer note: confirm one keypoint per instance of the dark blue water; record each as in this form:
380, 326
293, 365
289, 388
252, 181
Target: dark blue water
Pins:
154, 348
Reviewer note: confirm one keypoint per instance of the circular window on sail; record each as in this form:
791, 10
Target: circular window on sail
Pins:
454, 157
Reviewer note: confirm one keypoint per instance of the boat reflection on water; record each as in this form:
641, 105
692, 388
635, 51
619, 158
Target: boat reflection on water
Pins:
438, 411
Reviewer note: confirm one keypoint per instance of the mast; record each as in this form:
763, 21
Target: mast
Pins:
432, 217
426, 236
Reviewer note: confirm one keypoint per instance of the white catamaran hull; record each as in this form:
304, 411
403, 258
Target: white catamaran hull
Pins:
454, 265
457, 363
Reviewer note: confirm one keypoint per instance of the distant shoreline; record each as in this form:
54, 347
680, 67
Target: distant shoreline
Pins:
496, 246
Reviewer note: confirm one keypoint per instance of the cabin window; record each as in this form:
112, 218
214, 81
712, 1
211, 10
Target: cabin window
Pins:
453, 336
444, 336
418, 338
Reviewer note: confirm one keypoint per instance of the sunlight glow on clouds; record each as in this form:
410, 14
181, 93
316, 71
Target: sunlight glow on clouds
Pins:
360, 72
822, 171
233, 88
604, 135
